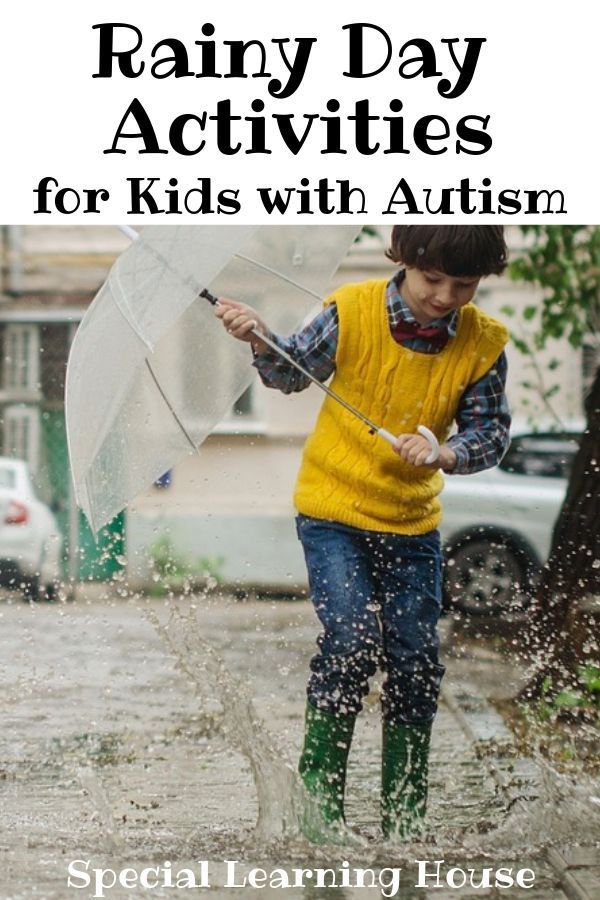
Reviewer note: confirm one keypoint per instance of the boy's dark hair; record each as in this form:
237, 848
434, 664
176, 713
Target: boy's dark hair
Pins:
457, 250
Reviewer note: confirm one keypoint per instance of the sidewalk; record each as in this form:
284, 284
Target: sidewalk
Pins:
108, 754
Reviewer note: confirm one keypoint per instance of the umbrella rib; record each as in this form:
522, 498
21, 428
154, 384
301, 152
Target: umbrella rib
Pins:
171, 410
278, 274
126, 313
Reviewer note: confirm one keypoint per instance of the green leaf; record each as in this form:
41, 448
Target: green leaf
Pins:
552, 391
569, 699
521, 345
590, 676
529, 313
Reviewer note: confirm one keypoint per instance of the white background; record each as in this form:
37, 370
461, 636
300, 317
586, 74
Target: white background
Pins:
536, 78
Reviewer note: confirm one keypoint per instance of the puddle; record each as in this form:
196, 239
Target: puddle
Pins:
172, 730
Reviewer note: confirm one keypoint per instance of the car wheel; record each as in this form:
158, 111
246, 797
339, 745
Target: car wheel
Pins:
488, 575
50, 592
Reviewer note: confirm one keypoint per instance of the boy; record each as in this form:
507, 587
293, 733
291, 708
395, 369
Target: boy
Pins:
410, 351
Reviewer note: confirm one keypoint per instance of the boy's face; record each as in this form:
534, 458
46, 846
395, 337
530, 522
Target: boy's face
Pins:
431, 294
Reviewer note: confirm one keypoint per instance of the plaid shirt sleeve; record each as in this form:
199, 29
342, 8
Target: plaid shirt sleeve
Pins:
483, 421
313, 347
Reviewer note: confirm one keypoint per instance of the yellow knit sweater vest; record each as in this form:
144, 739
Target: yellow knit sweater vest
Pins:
350, 476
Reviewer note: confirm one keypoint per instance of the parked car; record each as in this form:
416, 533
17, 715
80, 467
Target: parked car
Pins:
30, 541
497, 525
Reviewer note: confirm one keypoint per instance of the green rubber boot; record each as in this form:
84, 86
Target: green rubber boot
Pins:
404, 771
322, 768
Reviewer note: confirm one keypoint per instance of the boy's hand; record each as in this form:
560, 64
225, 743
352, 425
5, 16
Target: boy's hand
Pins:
414, 449
240, 320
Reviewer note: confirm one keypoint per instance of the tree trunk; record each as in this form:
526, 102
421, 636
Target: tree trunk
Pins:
572, 571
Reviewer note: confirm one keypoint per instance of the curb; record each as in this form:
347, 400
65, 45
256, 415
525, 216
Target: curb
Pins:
578, 870
517, 779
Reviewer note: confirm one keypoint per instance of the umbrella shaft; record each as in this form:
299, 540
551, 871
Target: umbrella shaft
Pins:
373, 428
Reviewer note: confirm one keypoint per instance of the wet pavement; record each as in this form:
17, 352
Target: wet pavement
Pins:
116, 753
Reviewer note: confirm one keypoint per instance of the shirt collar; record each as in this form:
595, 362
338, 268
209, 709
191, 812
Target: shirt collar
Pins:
399, 310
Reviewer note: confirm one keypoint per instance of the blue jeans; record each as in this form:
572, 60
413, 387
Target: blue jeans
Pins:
378, 598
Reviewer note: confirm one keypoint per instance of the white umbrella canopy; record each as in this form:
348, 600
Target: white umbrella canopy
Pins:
151, 371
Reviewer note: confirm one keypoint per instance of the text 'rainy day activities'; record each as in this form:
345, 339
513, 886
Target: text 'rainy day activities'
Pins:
263, 124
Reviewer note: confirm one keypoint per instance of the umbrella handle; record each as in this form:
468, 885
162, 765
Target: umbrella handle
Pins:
425, 432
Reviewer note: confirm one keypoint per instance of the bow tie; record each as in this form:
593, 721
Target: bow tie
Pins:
434, 334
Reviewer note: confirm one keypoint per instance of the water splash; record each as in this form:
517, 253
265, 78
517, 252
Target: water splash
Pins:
285, 809
277, 786
110, 838
564, 809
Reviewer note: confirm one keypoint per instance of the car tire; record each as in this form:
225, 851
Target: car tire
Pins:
51, 592
489, 573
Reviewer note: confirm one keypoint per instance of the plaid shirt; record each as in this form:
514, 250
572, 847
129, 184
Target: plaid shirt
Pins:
482, 418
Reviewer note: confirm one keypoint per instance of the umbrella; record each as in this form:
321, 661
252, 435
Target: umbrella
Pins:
151, 372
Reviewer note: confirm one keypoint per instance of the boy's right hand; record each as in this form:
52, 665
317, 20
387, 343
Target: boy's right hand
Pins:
240, 320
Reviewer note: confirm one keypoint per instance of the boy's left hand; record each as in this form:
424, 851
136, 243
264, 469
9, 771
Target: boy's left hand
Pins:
414, 449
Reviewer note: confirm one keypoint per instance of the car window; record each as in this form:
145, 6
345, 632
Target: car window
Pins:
7, 477
549, 455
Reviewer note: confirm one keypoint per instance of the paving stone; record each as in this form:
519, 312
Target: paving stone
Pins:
574, 857
583, 883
